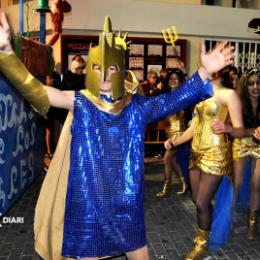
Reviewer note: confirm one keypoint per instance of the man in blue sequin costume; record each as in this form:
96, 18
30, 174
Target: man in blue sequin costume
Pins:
91, 202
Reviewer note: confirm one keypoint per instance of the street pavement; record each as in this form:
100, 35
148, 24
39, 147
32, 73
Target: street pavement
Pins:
170, 224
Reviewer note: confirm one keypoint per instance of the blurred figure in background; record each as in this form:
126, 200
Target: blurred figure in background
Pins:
54, 117
230, 77
149, 86
163, 81
74, 79
176, 125
246, 147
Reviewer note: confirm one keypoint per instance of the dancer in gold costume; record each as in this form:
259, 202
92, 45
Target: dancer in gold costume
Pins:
211, 156
249, 146
176, 125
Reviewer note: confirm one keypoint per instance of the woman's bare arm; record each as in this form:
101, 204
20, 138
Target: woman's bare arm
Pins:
235, 111
185, 137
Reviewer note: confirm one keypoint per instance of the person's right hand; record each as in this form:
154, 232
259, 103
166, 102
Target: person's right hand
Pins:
5, 38
168, 144
220, 127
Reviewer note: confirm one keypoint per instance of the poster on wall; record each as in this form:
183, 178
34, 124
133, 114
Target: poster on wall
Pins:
136, 50
75, 45
155, 50
136, 62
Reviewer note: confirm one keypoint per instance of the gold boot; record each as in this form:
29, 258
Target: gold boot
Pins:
201, 241
166, 189
252, 223
183, 186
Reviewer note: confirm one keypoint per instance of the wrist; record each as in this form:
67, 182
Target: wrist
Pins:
229, 129
173, 143
204, 75
251, 131
9, 48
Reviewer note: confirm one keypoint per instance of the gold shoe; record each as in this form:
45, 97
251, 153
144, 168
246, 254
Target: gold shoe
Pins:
183, 187
252, 224
200, 248
166, 189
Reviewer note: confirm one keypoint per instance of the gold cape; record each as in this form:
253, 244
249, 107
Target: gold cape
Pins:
49, 212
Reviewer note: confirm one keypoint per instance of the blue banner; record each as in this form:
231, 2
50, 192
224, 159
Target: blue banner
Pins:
21, 145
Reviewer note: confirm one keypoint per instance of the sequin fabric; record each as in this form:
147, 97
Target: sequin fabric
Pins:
175, 125
104, 212
247, 146
212, 153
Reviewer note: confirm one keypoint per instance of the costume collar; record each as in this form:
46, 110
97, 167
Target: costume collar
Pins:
112, 108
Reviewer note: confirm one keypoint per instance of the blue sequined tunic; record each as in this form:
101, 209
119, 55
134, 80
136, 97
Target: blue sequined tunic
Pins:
104, 212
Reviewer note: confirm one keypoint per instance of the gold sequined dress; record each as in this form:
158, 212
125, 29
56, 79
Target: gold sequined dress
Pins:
175, 125
212, 153
247, 146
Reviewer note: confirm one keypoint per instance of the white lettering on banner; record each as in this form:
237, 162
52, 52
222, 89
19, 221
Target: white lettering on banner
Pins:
30, 115
23, 173
15, 116
2, 149
23, 139
33, 132
2, 193
30, 166
26, 141
19, 136
22, 170
9, 116
14, 177
25, 177
5, 102
22, 117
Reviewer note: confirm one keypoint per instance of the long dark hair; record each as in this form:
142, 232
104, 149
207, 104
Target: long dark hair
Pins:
226, 79
250, 118
179, 73
181, 76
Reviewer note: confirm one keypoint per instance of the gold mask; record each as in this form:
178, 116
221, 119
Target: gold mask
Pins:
109, 52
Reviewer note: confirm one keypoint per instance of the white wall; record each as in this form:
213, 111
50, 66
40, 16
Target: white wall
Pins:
142, 16
148, 17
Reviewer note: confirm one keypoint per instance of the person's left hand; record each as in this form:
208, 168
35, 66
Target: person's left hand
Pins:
219, 127
221, 56
168, 144
257, 133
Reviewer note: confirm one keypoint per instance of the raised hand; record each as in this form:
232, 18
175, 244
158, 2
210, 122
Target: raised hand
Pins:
5, 36
221, 56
